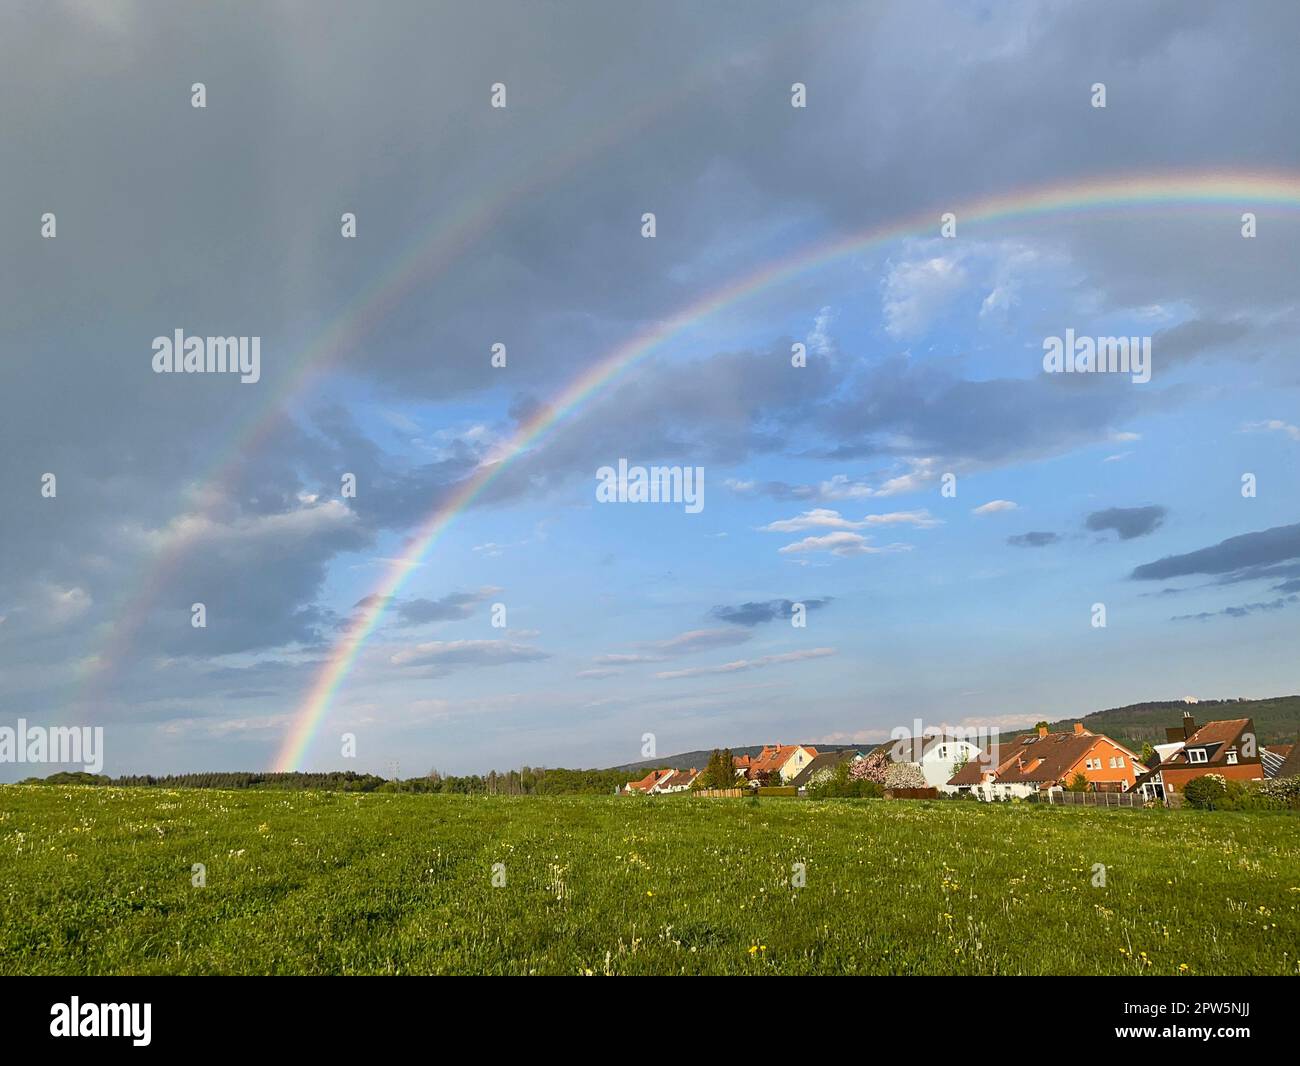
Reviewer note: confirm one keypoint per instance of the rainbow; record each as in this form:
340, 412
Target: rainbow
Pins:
431, 251
1241, 190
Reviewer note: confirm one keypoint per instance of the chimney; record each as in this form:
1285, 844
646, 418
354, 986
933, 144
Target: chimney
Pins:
1042, 730
1189, 725
1078, 729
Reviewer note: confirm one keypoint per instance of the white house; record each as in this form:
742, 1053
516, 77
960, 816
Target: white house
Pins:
937, 756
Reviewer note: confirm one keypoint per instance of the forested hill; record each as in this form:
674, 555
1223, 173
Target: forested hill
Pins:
1277, 719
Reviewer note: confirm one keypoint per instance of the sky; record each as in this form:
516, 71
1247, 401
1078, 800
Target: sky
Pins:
949, 513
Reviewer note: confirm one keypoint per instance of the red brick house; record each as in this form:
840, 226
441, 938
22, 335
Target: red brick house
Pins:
1228, 748
1038, 762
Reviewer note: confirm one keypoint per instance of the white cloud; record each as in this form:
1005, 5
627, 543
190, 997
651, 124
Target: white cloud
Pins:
916, 291
819, 340
740, 665
447, 654
823, 518
842, 544
1274, 425
994, 506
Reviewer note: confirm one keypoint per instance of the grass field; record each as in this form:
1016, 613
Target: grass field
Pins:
99, 880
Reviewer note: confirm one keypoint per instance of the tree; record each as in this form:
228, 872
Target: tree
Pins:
960, 764
871, 768
720, 771
904, 775
1148, 757
1078, 783
1041, 725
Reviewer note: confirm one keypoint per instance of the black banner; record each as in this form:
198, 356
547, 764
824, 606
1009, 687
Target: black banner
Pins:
298, 1014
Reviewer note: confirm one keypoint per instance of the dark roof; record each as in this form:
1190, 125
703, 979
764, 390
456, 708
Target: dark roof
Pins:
1291, 768
826, 760
913, 748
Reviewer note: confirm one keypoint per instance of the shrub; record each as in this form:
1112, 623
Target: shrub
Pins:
840, 783
1205, 793
1281, 792
904, 775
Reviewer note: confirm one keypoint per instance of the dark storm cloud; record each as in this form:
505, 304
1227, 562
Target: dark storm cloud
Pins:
1236, 554
1128, 522
1195, 337
1244, 610
1033, 539
753, 614
453, 607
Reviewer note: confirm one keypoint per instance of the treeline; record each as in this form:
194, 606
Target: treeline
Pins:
524, 782
527, 781
335, 780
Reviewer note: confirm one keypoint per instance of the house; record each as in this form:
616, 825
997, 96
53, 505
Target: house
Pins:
662, 782
1291, 764
823, 763
1040, 761
742, 764
648, 784
1274, 758
1226, 748
780, 760
677, 781
938, 756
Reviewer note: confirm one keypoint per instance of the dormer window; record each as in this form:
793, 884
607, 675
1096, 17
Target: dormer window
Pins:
1232, 758
1196, 755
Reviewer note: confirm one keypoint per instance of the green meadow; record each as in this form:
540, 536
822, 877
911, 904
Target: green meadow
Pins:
102, 881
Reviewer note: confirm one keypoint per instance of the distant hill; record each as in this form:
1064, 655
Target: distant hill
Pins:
1277, 721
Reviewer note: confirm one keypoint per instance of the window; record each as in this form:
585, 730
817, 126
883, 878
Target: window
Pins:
1119, 762
1196, 755
1232, 758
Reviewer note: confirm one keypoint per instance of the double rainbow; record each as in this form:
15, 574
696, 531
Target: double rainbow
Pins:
1239, 190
